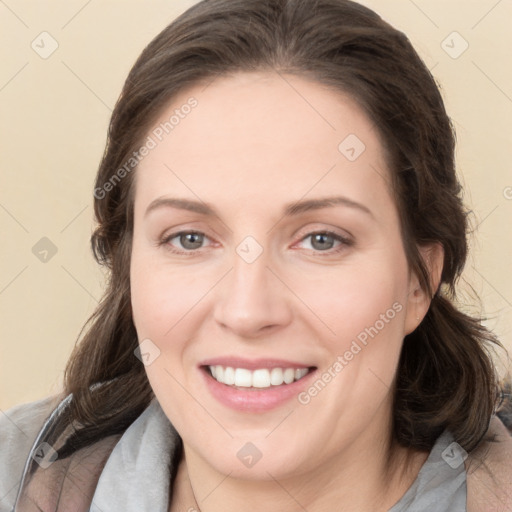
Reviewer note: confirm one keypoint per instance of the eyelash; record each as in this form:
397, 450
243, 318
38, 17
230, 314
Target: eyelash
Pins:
345, 242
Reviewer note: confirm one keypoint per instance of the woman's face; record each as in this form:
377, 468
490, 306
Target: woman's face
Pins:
276, 282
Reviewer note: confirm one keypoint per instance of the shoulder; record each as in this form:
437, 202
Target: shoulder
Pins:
489, 471
19, 427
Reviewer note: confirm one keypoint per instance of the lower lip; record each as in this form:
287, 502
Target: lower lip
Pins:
255, 400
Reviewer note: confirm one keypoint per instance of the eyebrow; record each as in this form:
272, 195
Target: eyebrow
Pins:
289, 210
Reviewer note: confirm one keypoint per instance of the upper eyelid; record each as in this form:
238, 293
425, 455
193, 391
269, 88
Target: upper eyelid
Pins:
305, 231
310, 232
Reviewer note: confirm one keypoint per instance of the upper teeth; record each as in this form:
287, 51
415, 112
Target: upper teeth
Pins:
262, 378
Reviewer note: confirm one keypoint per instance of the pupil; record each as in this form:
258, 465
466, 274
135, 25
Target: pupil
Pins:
321, 238
191, 243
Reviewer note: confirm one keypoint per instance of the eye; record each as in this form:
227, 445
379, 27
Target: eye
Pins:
323, 241
189, 241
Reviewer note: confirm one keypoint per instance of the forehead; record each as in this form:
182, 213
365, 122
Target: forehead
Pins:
263, 135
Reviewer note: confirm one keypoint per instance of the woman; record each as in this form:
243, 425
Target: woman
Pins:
234, 362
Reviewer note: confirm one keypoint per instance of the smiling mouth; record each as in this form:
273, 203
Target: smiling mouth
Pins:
262, 378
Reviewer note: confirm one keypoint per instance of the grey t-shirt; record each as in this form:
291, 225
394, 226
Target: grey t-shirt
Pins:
441, 482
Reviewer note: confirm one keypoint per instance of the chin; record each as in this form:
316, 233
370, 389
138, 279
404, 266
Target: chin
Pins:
254, 460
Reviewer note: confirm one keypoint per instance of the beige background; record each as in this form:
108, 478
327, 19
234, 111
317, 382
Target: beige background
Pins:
54, 117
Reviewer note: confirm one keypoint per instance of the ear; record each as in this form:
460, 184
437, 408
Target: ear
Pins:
418, 300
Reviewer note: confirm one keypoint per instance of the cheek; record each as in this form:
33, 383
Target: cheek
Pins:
169, 303
348, 299
161, 295
362, 309
161, 298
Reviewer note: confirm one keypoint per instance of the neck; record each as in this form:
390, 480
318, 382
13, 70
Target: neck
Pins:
372, 473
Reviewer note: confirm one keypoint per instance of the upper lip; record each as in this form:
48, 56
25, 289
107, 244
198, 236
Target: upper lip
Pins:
252, 364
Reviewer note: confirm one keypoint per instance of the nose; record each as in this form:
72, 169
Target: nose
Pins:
252, 299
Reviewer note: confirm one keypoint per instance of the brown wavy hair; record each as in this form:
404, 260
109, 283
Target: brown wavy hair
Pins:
446, 377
